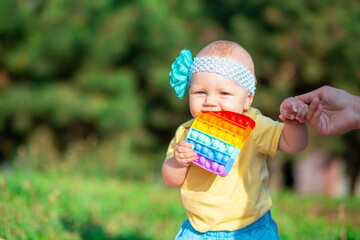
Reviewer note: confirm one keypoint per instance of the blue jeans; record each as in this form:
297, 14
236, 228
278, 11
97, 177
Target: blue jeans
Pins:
264, 228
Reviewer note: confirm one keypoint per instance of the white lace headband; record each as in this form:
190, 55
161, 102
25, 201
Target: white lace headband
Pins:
227, 68
184, 67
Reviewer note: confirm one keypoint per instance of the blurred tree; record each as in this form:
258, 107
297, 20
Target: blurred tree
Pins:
99, 67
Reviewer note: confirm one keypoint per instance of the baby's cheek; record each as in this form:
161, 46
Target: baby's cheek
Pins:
232, 107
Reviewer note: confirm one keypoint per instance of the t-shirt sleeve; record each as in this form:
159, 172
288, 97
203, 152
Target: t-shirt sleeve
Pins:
180, 135
267, 134
170, 151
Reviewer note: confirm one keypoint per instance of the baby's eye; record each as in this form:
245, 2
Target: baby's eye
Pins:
224, 93
200, 92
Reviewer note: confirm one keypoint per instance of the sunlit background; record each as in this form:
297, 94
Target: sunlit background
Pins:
87, 112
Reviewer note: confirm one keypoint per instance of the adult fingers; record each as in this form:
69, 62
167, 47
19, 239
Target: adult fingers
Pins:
315, 103
314, 117
308, 97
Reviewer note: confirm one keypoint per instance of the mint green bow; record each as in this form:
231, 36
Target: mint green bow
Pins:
181, 73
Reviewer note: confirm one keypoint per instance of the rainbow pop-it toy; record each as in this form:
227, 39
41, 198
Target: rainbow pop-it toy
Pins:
218, 138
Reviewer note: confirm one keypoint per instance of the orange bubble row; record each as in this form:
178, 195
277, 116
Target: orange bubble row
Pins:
230, 137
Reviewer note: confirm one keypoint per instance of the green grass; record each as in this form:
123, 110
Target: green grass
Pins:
36, 205
316, 217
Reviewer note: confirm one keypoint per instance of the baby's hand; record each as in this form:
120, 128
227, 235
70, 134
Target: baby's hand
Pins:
184, 154
293, 111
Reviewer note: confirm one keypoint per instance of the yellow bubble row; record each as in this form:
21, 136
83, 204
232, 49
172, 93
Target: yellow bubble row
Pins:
220, 133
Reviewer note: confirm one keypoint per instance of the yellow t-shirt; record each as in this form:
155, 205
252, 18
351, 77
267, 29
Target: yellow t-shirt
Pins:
215, 203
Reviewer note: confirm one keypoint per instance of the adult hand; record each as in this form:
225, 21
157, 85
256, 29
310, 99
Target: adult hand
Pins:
332, 111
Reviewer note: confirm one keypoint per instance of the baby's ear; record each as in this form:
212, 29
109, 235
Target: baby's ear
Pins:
248, 101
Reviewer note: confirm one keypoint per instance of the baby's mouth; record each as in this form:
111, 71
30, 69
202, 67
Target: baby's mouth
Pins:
211, 109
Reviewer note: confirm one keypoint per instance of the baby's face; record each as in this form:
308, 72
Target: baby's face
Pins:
213, 92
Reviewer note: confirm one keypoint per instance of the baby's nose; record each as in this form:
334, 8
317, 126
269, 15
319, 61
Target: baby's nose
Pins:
210, 101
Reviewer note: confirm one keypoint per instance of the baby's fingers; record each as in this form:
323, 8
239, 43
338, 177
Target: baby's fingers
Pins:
288, 121
191, 156
288, 111
184, 151
184, 147
301, 113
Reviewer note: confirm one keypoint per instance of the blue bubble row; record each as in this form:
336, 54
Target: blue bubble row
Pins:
210, 142
210, 153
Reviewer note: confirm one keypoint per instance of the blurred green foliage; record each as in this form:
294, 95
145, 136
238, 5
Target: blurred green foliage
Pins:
100, 68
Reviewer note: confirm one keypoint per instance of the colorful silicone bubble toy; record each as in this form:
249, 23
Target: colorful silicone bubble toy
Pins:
218, 138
